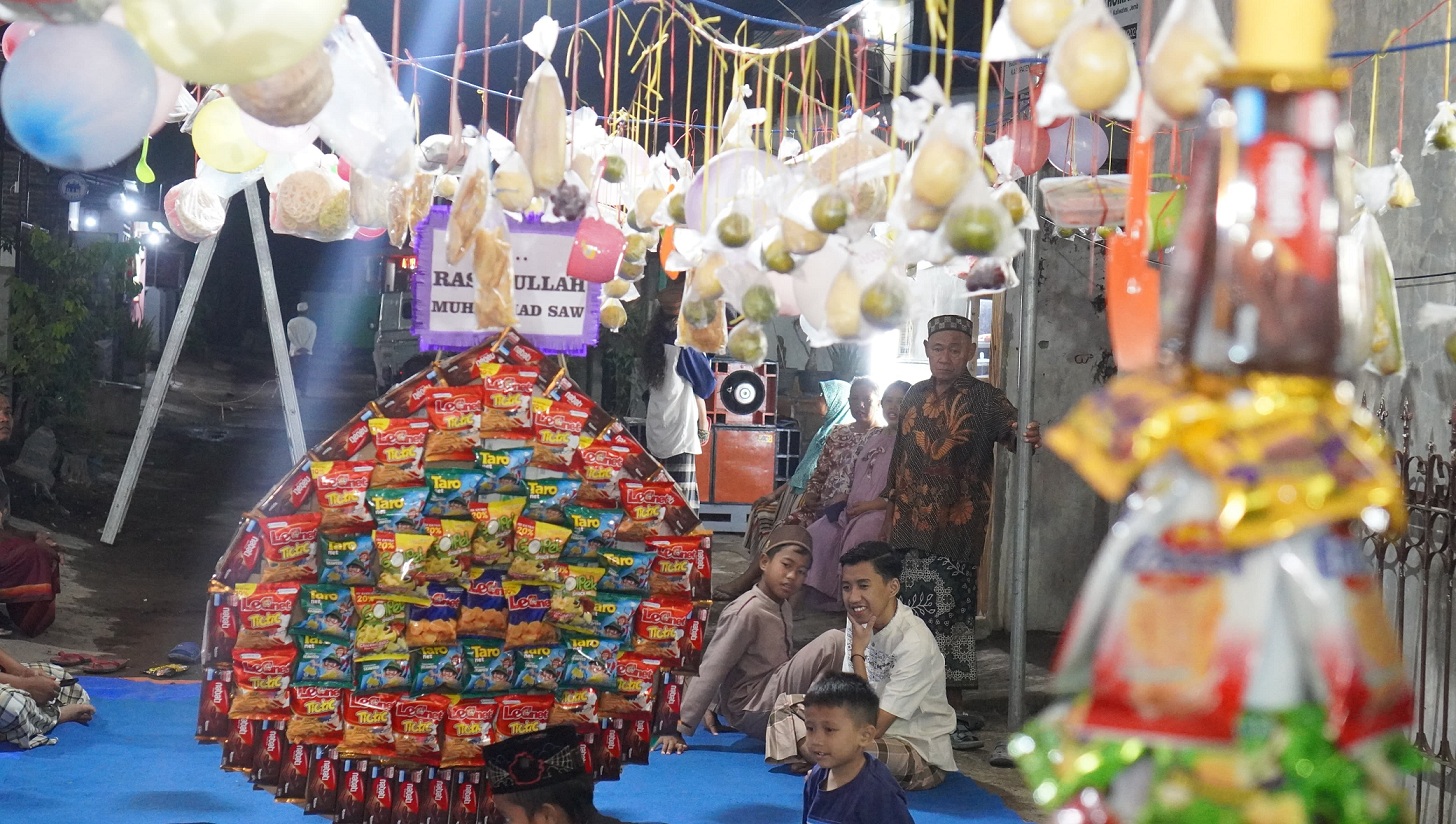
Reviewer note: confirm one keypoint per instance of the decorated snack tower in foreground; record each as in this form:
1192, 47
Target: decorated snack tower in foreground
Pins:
1229, 658
480, 554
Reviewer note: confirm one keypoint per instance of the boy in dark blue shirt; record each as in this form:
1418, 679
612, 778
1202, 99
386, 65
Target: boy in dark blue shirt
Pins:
847, 784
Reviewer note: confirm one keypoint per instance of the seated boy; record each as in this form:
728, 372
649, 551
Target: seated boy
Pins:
33, 701
847, 785
747, 664
891, 648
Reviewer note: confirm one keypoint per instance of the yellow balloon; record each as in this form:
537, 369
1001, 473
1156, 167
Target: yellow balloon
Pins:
213, 42
218, 137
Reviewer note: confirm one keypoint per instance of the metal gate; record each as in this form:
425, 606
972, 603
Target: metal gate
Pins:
1419, 572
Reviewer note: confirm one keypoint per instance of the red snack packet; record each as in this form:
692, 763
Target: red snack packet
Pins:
455, 412
291, 493
668, 713
240, 748
379, 795
522, 714
607, 750
603, 464
293, 777
317, 715
409, 396
435, 797
637, 737
558, 430
417, 722
342, 488
220, 633
566, 391
348, 440
681, 567
399, 451
322, 794
660, 627
260, 683
507, 391
368, 731
576, 706
690, 646
467, 802
647, 504
513, 347
353, 791
265, 611
241, 560
217, 699
288, 548
407, 796
469, 724
464, 367
268, 762
636, 690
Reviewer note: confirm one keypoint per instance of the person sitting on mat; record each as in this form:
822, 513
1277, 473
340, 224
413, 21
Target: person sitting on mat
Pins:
540, 779
35, 698
748, 663
891, 648
30, 573
847, 784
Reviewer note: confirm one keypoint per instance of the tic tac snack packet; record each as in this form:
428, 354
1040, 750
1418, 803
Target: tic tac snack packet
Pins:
548, 498
347, 560
507, 389
382, 619
682, 566
483, 608
341, 488
538, 546
529, 605
495, 531
592, 530
455, 413
317, 715
539, 668
265, 612
577, 707
573, 598
591, 662
439, 669
418, 722
504, 470
288, 548
449, 556
399, 509
636, 689
401, 560
434, 623
326, 611
368, 731
603, 464
558, 430
260, 683
468, 724
627, 571
324, 662
399, 451
660, 626
522, 714
388, 672
490, 666
452, 491
613, 614
647, 504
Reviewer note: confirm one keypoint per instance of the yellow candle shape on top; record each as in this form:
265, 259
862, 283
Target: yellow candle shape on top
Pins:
1283, 35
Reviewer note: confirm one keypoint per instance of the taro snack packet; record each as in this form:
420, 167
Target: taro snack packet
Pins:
342, 489
347, 560
590, 662
439, 669
449, 556
483, 609
529, 605
399, 509
504, 470
522, 714
288, 548
538, 546
507, 389
490, 667
539, 668
265, 613
399, 451
592, 530
547, 499
613, 615
402, 559
455, 413
627, 571
325, 610
382, 619
495, 531
434, 623
317, 715
390, 672
452, 491
324, 662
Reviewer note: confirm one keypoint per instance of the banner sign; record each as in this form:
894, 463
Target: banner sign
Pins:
559, 314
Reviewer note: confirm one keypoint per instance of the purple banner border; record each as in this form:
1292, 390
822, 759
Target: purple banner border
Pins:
439, 218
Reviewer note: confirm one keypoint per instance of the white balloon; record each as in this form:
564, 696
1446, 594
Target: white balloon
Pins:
1079, 146
279, 139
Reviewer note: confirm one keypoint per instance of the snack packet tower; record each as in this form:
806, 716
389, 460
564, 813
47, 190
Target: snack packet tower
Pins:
1229, 658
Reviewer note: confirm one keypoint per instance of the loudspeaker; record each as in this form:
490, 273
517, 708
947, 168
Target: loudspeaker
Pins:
744, 395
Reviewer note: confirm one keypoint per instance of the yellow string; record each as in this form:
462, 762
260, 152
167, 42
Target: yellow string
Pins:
768, 104
1375, 97
838, 64
1446, 77
983, 79
849, 65
932, 14
950, 44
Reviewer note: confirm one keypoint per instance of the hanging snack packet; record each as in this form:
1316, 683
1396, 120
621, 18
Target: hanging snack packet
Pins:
452, 491
260, 683
449, 557
529, 605
265, 612
505, 470
507, 389
490, 666
661, 625
647, 504
382, 620
573, 600
383, 673
399, 509
288, 551
345, 443
455, 412
603, 463
592, 530
243, 554
558, 427
324, 662
408, 396
577, 707
291, 493
522, 715
682, 566
418, 722
483, 609
538, 546
539, 668
328, 611
401, 560
613, 615
439, 669
636, 685
626, 571
434, 623
368, 732
495, 531
468, 725
341, 487
548, 498
591, 662
347, 560
399, 451
317, 715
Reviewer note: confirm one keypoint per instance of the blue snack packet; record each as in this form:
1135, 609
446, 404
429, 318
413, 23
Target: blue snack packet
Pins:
324, 662
626, 571
328, 611
490, 667
483, 607
346, 560
590, 662
386, 672
539, 668
439, 669
399, 510
548, 498
592, 530
503, 470
452, 491
614, 614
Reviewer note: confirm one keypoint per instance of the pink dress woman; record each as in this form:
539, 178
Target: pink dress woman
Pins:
832, 539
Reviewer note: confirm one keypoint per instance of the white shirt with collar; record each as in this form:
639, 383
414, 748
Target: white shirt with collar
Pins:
907, 671
302, 332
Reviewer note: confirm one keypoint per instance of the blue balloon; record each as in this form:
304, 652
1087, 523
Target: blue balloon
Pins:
79, 96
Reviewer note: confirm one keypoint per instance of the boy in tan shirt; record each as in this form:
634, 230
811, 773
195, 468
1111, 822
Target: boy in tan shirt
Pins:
748, 663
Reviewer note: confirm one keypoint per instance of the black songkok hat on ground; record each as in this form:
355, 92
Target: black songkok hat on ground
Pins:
950, 323
534, 761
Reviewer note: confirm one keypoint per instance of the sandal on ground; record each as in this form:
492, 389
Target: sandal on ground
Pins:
70, 659
167, 671
963, 741
970, 721
1001, 758
104, 666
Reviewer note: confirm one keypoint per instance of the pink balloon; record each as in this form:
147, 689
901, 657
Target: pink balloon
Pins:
1032, 145
1078, 147
368, 234
344, 170
15, 34
168, 87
